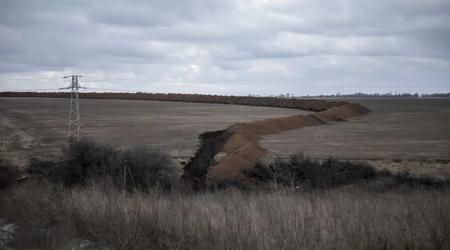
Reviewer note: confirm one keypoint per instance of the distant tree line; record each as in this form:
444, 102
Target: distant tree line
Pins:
378, 95
436, 95
310, 105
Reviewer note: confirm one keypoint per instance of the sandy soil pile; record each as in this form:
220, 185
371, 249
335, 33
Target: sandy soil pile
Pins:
242, 150
341, 113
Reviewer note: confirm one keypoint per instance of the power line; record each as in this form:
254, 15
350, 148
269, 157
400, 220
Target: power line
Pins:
74, 117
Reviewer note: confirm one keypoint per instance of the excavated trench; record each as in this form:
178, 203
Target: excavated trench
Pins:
224, 154
196, 170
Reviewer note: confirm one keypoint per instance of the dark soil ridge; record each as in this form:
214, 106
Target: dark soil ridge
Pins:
304, 104
224, 155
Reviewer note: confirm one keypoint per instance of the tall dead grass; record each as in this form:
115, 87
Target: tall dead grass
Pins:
50, 217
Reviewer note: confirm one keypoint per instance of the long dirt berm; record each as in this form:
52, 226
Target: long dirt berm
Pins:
224, 154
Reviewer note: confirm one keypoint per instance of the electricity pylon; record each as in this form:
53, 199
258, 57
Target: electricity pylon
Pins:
74, 120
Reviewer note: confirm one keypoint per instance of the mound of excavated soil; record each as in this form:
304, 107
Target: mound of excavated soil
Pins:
241, 149
341, 113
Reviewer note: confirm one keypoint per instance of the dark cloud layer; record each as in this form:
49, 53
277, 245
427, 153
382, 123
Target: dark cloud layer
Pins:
228, 47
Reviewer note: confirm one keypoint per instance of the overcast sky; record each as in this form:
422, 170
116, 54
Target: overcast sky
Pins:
264, 47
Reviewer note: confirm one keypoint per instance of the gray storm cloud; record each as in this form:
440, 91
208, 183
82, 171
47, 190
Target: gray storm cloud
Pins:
228, 47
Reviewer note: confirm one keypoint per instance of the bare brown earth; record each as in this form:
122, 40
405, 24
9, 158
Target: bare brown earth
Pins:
397, 129
37, 127
400, 135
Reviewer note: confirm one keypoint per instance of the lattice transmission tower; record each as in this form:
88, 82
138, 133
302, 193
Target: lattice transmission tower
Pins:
74, 119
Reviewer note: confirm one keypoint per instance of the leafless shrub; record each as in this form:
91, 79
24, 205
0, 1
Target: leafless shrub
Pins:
87, 161
300, 171
8, 173
149, 167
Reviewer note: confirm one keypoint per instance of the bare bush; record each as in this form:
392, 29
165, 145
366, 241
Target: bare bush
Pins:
87, 161
8, 173
302, 171
149, 167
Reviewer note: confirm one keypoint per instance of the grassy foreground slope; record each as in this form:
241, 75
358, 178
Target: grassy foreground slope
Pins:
297, 204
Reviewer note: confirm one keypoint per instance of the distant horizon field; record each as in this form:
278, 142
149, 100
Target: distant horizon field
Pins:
396, 129
37, 127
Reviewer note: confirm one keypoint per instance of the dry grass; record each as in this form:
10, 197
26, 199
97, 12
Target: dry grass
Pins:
439, 170
51, 217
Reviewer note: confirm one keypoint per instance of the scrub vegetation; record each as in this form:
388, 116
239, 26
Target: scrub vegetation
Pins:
287, 204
